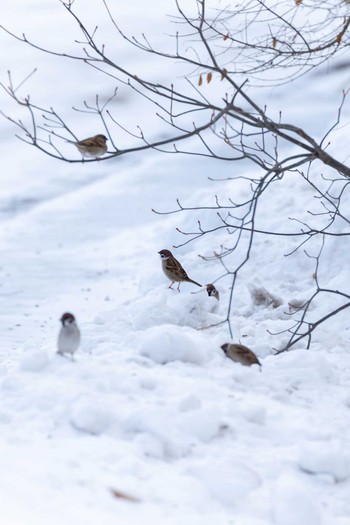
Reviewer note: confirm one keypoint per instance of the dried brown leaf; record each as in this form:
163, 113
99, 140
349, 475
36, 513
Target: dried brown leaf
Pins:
226, 37
223, 74
339, 38
121, 495
274, 42
200, 80
209, 77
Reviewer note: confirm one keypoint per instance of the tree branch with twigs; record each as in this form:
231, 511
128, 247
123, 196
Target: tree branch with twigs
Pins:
265, 42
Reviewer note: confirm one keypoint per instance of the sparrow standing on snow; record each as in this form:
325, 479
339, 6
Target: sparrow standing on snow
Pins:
92, 147
212, 291
173, 269
69, 336
240, 354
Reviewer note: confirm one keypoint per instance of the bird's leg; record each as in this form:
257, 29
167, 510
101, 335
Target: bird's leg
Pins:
178, 287
170, 285
70, 357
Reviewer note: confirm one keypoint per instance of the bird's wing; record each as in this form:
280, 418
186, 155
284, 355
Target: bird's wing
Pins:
91, 142
173, 265
247, 354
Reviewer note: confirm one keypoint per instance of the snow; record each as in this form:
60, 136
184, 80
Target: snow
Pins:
167, 343
292, 506
35, 361
151, 407
332, 460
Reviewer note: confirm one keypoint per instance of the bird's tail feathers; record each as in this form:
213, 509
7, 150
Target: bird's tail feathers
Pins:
194, 282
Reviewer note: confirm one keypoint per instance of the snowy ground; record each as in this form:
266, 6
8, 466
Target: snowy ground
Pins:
151, 407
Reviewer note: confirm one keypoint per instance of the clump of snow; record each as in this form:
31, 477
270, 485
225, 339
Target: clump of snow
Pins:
90, 417
204, 424
158, 433
227, 481
151, 310
150, 445
195, 309
34, 361
311, 366
291, 505
331, 458
167, 343
254, 412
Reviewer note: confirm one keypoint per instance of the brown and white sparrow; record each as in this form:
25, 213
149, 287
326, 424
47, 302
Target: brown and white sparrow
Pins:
212, 291
173, 269
240, 354
92, 147
69, 335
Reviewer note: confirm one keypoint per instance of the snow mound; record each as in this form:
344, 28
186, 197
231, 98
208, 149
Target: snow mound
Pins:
156, 433
167, 343
309, 366
254, 412
330, 458
193, 309
291, 505
229, 482
35, 361
151, 310
202, 424
87, 416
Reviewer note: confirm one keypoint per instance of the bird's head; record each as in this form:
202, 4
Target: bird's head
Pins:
67, 319
164, 254
225, 347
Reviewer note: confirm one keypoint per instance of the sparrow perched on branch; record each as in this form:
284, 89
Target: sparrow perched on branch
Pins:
212, 291
173, 269
69, 335
91, 147
240, 354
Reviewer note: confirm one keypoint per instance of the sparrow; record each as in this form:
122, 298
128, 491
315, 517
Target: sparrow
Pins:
240, 354
173, 269
69, 335
212, 291
92, 147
